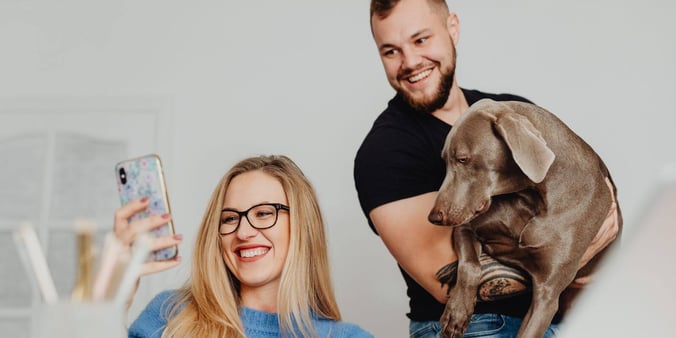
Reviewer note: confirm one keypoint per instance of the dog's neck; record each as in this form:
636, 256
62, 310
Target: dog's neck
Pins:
517, 181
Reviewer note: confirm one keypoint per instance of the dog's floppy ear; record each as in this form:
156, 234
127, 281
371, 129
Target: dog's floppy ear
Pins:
529, 149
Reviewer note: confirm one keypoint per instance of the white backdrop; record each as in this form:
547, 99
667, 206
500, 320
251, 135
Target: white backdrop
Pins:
303, 78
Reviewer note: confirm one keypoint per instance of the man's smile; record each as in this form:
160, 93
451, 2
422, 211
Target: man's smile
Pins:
420, 76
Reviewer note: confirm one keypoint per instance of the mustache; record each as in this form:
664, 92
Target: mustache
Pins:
406, 72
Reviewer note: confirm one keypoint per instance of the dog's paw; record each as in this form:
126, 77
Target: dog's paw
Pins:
457, 315
452, 326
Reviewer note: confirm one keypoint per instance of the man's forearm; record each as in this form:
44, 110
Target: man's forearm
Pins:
497, 280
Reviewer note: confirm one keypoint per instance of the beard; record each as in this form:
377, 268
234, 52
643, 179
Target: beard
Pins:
438, 99
430, 104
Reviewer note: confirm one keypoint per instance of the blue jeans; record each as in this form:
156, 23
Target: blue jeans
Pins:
484, 325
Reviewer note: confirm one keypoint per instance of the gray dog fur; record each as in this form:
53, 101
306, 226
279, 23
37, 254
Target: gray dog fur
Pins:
527, 190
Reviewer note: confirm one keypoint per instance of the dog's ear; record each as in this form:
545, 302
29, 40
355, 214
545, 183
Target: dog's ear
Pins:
529, 149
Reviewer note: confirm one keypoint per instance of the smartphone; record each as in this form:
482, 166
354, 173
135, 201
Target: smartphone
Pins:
143, 177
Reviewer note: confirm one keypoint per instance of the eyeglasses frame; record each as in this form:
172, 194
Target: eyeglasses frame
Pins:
245, 213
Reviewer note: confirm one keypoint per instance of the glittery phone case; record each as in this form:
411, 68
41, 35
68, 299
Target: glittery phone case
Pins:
143, 177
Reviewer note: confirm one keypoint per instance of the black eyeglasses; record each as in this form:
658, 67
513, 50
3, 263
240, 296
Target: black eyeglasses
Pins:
260, 216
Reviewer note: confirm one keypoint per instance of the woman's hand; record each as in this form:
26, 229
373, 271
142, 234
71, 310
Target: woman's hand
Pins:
126, 232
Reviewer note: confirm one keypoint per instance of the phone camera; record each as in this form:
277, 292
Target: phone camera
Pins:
123, 176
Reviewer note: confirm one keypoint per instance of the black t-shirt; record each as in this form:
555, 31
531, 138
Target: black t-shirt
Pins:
400, 158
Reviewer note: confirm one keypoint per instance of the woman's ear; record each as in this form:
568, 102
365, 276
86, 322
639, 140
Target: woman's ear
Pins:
453, 27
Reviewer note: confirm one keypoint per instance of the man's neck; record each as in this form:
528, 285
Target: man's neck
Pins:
454, 107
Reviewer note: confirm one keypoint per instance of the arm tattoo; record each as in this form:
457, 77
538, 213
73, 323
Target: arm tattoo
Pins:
497, 280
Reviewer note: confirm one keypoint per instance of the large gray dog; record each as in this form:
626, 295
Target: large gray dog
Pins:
528, 191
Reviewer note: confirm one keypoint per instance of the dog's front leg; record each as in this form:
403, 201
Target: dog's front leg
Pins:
462, 296
544, 305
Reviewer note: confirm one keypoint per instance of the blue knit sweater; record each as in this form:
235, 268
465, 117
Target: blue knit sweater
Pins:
152, 321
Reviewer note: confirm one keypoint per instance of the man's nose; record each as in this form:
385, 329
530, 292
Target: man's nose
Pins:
410, 59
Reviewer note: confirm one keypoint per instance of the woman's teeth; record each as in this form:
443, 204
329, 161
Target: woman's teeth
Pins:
248, 253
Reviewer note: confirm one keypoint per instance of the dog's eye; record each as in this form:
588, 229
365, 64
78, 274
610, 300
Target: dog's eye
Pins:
462, 159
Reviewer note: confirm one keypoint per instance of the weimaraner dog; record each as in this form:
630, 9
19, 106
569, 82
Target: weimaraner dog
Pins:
525, 189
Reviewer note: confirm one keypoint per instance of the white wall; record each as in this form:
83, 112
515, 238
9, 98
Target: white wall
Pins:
303, 78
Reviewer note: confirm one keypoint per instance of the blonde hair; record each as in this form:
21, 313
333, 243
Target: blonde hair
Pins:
207, 306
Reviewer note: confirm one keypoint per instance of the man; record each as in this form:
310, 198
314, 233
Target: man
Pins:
398, 168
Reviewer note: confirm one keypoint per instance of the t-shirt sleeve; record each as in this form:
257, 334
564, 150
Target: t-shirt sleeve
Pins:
393, 164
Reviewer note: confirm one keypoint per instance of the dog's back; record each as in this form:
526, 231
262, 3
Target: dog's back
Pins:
576, 176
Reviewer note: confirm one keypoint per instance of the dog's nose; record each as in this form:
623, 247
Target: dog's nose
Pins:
436, 217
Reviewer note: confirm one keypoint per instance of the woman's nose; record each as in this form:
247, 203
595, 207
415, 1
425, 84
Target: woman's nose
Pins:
246, 230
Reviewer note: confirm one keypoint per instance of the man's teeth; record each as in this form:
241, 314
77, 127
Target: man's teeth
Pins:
253, 252
420, 76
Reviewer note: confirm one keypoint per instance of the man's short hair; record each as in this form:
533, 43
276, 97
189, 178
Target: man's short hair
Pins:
382, 8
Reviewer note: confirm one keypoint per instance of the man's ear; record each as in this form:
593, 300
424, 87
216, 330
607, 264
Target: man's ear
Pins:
453, 27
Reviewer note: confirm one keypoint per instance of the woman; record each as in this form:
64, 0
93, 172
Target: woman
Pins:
260, 265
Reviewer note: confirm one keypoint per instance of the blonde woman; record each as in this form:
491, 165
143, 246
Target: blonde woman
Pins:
259, 266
